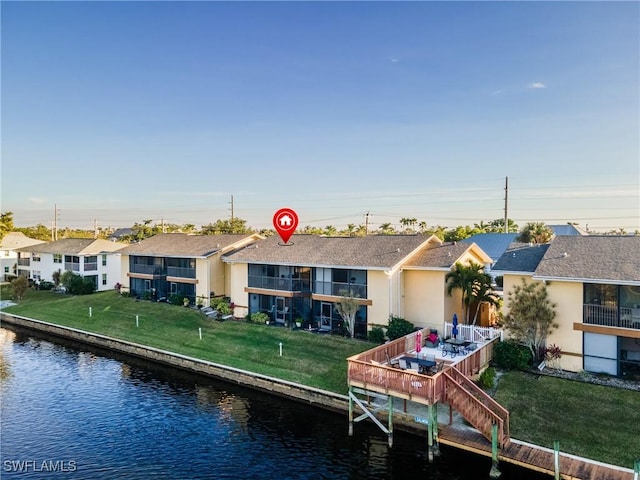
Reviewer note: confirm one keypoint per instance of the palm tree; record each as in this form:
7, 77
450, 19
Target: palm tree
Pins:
386, 229
468, 279
483, 293
535, 232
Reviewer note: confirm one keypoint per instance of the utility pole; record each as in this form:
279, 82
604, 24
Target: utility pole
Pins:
506, 196
366, 224
95, 228
231, 202
55, 221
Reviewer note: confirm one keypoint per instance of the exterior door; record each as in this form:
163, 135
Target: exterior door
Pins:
325, 315
281, 310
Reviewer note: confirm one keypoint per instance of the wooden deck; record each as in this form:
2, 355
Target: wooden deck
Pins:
371, 371
530, 456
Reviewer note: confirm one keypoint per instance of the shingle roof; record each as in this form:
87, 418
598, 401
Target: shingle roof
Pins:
493, 244
520, 257
182, 245
370, 252
439, 256
15, 240
75, 246
592, 258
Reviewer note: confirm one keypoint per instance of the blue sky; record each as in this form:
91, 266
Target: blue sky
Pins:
123, 111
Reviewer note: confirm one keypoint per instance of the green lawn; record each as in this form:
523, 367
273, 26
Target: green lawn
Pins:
593, 421
310, 359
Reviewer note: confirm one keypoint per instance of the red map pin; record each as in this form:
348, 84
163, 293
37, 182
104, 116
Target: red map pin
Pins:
285, 222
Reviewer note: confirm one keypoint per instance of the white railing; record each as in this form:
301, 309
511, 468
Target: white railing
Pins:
474, 333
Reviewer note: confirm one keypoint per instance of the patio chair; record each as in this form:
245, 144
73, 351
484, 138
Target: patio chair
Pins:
436, 368
403, 364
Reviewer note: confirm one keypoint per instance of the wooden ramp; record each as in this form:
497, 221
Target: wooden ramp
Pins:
530, 456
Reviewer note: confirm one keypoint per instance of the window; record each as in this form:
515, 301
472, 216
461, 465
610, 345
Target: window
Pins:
104, 279
6, 269
57, 258
104, 260
35, 257
36, 275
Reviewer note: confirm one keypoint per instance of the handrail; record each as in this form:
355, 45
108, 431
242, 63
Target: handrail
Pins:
497, 412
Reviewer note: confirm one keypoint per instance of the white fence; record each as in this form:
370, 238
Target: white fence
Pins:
474, 333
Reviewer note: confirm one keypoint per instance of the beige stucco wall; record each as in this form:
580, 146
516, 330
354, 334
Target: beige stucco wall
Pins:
424, 298
378, 292
238, 275
568, 298
124, 269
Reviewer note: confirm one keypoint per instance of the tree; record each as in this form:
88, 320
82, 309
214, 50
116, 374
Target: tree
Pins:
497, 226
483, 293
531, 317
535, 232
348, 307
470, 280
234, 225
386, 229
20, 286
56, 276
6, 223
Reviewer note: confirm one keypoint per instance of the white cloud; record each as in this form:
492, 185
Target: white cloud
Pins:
536, 85
38, 201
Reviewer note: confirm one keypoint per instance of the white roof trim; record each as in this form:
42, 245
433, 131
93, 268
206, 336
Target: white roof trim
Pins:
607, 281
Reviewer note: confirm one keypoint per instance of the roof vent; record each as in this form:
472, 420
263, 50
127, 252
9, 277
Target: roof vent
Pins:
397, 250
565, 254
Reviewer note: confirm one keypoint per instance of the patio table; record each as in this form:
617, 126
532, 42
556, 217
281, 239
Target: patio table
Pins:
424, 365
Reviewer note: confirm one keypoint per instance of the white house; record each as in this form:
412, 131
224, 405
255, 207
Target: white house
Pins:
91, 258
8, 255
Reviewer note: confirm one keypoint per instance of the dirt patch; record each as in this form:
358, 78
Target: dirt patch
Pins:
592, 378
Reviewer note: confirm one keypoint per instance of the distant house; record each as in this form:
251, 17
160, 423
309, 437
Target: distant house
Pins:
400, 275
179, 264
8, 255
91, 258
595, 282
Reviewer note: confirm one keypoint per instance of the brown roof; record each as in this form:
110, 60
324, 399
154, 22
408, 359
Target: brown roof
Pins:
75, 246
183, 245
607, 258
370, 252
443, 256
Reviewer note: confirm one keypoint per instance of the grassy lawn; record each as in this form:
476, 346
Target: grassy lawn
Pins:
310, 359
593, 421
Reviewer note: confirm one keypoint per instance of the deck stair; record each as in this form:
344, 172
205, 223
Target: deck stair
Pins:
476, 406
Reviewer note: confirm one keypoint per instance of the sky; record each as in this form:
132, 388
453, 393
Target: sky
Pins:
118, 112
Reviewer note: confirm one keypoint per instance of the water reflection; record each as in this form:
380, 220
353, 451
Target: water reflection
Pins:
119, 417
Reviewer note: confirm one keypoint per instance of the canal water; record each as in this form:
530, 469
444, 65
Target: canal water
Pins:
77, 413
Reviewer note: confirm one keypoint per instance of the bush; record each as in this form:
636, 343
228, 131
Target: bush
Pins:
44, 285
510, 355
398, 327
77, 284
376, 335
259, 317
175, 299
487, 378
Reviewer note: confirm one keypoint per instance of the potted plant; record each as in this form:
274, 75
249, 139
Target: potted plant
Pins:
299, 322
185, 302
199, 303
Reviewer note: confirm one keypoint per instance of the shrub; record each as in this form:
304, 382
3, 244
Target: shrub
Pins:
259, 317
77, 284
398, 327
44, 285
376, 335
175, 299
510, 355
487, 378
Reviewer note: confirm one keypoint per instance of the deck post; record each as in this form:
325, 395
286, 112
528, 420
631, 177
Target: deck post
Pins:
433, 420
556, 459
390, 427
494, 472
636, 470
350, 411
430, 434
